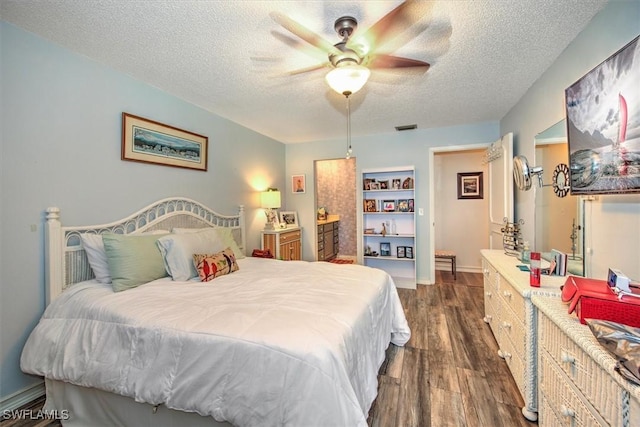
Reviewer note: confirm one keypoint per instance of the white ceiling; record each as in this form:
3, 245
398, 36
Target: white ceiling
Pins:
229, 57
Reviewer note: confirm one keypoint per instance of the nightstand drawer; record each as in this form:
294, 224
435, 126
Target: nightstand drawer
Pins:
289, 236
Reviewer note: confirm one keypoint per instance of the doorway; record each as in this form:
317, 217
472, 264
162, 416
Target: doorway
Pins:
335, 181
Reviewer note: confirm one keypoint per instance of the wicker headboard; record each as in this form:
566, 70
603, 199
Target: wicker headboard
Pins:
66, 262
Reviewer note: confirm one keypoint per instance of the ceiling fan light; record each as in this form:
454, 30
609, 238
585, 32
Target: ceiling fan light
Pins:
348, 79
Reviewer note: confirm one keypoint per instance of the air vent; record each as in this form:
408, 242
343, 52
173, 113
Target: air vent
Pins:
406, 127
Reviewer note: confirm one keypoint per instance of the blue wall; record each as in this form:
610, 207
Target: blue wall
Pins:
61, 138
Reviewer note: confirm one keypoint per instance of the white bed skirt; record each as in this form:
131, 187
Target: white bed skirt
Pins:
97, 408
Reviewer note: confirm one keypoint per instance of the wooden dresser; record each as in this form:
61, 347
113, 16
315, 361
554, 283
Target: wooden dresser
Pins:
328, 239
284, 244
511, 316
577, 383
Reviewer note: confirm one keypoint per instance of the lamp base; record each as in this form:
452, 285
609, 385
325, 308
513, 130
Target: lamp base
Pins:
269, 226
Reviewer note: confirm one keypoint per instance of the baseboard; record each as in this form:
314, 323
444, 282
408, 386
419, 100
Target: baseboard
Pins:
459, 269
22, 397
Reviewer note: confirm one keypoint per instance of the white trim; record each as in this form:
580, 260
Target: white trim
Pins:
22, 397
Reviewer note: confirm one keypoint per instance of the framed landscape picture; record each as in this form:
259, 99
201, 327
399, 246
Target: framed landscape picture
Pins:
470, 185
147, 141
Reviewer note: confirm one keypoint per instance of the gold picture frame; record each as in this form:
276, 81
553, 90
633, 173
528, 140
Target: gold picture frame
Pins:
148, 141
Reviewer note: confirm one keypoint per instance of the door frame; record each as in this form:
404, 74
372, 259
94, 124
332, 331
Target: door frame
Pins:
432, 238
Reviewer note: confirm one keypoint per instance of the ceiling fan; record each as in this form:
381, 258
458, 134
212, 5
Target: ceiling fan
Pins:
352, 58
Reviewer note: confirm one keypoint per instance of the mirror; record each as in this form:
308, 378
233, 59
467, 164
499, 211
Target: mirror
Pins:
522, 173
559, 216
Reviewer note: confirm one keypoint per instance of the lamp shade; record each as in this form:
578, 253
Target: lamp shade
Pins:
270, 199
347, 79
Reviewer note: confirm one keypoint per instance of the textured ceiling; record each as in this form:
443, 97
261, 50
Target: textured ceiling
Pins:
230, 57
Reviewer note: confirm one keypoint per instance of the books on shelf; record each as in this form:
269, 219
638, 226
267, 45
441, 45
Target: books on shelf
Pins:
560, 259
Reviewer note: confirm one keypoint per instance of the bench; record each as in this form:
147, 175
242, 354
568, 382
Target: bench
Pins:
448, 256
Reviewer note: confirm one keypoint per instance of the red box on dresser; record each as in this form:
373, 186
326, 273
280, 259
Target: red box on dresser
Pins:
594, 299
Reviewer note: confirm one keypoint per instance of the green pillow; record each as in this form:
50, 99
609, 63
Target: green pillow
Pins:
133, 260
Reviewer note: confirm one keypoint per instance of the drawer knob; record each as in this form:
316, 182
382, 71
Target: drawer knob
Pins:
506, 355
507, 294
488, 294
487, 318
506, 325
567, 412
567, 358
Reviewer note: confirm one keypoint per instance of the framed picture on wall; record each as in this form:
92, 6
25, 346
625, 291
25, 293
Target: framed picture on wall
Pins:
470, 185
298, 184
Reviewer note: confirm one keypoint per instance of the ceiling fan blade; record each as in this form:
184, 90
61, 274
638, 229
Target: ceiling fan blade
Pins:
304, 33
389, 26
388, 61
308, 69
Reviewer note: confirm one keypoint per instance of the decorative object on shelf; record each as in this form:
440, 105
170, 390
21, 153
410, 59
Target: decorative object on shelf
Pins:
298, 184
289, 218
400, 252
385, 249
394, 228
396, 184
369, 231
574, 237
270, 201
470, 185
389, 205
366, 184
411, 205
511, 237
147, 141
407, 184
408, 251
403, 205
561, 180
384, 185
370, 205
322, 214
384, 229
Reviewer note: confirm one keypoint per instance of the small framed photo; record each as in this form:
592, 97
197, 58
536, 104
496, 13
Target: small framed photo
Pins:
408, 251
411, 205
403, 205
385, 249
289, 219
400, 252
366, 184
374, 185
396, 184
370, 205
298, 185
384, 185
470, 185
407, 184
389, 205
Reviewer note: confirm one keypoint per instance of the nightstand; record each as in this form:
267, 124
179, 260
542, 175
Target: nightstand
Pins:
285, 244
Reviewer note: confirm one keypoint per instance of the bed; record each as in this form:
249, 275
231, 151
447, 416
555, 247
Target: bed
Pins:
264, 343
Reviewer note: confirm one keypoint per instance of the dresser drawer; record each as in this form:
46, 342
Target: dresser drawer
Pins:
566, 404
598, 387
514, 361
321, 229
289, 236
512, 299
513, 328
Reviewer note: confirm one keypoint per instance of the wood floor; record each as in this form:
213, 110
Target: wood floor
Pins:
448, 374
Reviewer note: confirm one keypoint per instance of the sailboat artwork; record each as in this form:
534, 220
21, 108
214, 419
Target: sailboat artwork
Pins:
603, 126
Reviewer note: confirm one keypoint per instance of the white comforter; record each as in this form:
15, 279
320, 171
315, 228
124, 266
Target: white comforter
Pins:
275, 343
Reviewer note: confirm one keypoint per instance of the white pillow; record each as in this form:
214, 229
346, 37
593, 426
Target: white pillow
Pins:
177, 251
94, 248
225, 234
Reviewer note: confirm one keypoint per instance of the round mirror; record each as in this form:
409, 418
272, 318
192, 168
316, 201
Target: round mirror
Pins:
561, 180
522, 173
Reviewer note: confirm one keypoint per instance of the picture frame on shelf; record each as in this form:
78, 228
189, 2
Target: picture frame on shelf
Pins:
374, 185
288, 218
403, 205
385, 249
396, 184
148, 141
400, 252
384, 185
389, 205
411, 205
366, 184
470, 185
407, 184
370, 205
408, 252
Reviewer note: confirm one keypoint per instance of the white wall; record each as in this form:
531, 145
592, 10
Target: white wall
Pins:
60, 147
461, 225
384, 150
613, 222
